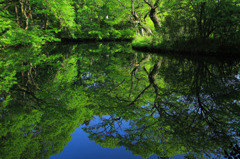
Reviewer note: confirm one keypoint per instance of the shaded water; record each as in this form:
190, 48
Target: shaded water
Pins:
108, 101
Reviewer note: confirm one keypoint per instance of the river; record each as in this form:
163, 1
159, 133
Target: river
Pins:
105, 100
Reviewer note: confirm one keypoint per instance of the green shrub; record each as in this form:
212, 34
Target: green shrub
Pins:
20, 36
142, 41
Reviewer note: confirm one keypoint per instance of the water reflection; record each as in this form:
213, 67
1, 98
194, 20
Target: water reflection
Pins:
151, 104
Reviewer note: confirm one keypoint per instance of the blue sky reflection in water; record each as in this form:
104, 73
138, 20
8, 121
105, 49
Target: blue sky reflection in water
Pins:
81, 147
173, 105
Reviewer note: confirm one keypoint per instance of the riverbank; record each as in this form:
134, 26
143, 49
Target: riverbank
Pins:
69, 41
81, 40
191, 47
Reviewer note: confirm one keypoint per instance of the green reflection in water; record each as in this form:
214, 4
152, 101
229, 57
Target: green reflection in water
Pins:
173, 105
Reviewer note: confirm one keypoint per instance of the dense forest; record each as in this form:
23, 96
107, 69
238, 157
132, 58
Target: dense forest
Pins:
150, 104
179, 24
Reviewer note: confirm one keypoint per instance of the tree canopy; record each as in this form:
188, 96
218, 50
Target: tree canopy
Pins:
170, 24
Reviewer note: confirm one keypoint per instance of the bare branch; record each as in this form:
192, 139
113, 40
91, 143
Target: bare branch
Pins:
140, 94
148, 3
146, 15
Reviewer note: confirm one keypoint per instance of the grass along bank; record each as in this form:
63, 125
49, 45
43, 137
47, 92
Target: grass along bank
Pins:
211, 47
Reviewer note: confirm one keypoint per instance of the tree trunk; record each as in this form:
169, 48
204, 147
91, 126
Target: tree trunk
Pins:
16, 14
153, 13
154, 17
45, 22
23, 6
201, 20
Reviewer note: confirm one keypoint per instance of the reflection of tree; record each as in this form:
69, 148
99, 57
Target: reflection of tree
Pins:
192, 108
162, 105
45, 109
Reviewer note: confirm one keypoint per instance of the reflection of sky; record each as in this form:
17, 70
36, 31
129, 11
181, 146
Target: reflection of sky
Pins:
80, 147
119, 125
238, 76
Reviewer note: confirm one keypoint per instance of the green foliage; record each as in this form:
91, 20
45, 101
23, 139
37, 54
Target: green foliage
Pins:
62, 10
25, 37
175, 23
142, 41
110, 33
35, 21
209, 26
99, 20
154, 42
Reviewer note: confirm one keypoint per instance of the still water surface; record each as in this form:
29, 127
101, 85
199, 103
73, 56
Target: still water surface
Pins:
105, 100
